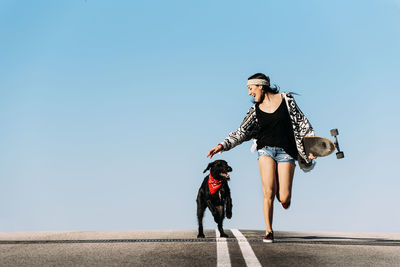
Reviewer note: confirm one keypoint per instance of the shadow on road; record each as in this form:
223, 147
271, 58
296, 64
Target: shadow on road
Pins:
323, 240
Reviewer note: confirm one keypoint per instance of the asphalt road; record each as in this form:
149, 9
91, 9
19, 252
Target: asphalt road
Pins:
182, 248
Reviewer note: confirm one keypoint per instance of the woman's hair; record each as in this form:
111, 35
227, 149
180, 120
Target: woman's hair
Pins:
265, 88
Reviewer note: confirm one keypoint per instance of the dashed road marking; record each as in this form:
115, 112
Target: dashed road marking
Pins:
248, 253
223, 259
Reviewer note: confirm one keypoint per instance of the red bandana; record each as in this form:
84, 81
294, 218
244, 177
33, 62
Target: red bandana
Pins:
213, 184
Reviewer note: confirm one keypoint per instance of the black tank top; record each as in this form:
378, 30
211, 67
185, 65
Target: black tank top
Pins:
276, 129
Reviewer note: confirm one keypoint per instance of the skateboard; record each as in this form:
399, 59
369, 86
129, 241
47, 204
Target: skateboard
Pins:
321, 146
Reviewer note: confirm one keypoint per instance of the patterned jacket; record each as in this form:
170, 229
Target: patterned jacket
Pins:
249, 129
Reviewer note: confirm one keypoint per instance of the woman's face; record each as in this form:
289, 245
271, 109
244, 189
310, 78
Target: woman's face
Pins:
256, 92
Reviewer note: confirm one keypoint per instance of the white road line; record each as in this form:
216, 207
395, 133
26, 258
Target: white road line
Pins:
248, 253
223, 258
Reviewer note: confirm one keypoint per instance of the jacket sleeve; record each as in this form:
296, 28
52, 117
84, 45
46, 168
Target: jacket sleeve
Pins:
305, 125
245, 132
302, 126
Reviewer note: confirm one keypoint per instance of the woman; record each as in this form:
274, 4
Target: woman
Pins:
278, 126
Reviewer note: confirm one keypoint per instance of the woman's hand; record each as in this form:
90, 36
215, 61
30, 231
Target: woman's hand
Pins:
311, 156
214, 151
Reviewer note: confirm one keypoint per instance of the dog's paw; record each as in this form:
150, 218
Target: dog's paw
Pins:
224, 235
228, 215
201, 236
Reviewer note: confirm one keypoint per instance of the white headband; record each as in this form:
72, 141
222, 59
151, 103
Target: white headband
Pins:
257, 82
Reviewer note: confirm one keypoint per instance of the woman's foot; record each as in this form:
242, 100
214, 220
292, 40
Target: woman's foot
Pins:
286, 205
269, 238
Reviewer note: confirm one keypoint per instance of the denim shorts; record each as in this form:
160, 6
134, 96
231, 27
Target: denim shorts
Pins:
276, 153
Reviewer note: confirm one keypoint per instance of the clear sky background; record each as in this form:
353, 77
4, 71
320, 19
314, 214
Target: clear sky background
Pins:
108, 109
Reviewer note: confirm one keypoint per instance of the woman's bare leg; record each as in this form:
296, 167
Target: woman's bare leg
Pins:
268, 178
285, 180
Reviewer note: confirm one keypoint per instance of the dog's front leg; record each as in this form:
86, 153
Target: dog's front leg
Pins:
200, 214
228, 203
220, 211
201, 207
213, 209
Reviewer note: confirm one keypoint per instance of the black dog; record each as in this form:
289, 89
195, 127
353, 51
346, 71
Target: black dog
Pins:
215, 194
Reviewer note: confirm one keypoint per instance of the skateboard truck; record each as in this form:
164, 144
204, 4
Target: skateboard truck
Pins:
339, 154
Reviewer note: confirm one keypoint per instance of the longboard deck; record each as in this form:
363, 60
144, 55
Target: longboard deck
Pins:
318, 146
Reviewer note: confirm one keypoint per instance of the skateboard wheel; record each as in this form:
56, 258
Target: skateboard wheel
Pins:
339, 155
334, 132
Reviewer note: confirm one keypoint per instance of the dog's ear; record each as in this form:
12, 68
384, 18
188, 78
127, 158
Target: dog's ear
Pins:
208, 167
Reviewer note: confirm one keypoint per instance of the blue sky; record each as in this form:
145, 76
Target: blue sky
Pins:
110, 107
